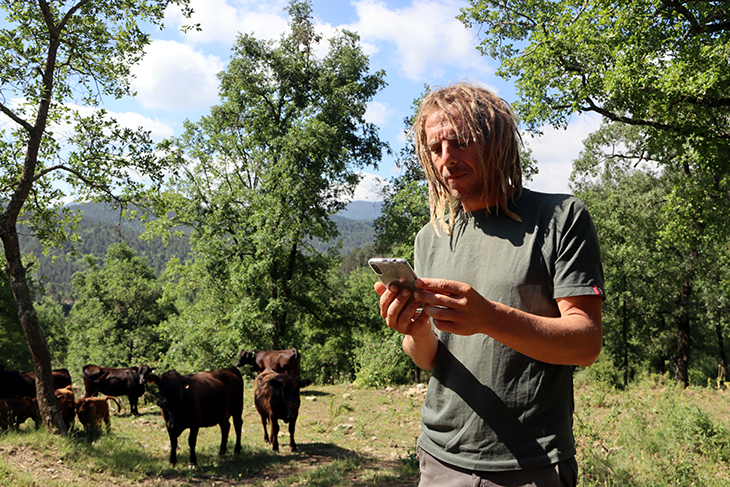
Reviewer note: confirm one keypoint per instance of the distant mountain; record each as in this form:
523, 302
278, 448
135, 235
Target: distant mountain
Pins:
362, 210
99, 228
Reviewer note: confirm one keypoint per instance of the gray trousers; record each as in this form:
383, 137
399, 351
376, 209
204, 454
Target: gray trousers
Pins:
437, 474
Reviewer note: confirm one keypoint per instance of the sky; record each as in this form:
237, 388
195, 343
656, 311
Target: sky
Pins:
416, 43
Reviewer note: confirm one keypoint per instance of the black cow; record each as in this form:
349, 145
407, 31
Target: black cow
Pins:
281, 361
276, 397
113, 382
201, 400
14, 383
147, 375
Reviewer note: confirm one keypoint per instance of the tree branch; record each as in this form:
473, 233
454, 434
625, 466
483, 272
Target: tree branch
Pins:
11, 114
62, 167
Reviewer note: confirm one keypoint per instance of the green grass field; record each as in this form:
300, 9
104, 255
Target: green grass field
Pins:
651, 435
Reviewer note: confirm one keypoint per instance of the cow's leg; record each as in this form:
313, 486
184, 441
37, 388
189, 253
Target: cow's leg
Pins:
173, 445
237, 423
275, 434
133, 404
292, 427
108, 424
266, 434
192, 439
89, 389
225, 428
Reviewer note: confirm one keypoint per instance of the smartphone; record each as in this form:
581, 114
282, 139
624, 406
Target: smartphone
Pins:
394, 271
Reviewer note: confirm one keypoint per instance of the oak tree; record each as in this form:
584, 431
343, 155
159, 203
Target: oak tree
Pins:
260, 177
58, 61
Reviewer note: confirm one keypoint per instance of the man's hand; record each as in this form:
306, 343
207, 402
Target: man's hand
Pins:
402, 314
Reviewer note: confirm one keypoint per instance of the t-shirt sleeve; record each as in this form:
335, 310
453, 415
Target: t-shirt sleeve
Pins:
577, 267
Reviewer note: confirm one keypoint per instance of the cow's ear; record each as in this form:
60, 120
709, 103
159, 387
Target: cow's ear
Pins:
305, 382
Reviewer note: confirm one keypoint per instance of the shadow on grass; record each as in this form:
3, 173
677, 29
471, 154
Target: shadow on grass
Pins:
314, 463
313, 392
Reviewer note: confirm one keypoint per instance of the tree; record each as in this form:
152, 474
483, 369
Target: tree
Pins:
117, 311
53, 56
261, 176
614, 176
658, 65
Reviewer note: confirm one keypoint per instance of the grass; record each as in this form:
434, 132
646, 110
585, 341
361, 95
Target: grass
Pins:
651, 435
346, 436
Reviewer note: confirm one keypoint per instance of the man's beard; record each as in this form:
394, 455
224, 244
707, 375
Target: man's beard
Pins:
474, 192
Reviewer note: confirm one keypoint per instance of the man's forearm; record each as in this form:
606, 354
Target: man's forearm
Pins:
422, 349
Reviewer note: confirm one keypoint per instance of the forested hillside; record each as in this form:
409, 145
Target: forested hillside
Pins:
100, 227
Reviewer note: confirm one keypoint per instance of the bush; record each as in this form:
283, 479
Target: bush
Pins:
380, 360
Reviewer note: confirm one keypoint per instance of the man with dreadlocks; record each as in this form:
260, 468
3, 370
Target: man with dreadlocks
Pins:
509, 300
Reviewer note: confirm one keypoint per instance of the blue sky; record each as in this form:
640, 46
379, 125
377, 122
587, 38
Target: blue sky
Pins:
416, 42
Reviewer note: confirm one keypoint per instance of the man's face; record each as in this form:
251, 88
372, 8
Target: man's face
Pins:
456, 161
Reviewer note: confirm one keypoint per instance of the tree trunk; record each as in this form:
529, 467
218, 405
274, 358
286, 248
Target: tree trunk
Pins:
625, 339
722, 367
47, 404
681, 363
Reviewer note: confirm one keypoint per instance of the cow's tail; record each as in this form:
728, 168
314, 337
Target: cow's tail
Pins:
119, 407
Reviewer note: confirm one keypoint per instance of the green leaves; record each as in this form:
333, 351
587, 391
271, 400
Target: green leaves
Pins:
118, 309
261, 175
655, 64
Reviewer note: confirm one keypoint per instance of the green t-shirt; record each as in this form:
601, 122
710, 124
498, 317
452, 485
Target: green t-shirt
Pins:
488, 407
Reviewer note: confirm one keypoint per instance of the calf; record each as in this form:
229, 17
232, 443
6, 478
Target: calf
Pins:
201, 400
15, 410
93, 410
67, 405
113, 382
281, 361
276, 397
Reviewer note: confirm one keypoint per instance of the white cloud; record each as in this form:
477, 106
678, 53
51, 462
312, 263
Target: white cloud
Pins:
378, 113
555, 151
429, 42
222, 20
174, 77
158, 130
369, 188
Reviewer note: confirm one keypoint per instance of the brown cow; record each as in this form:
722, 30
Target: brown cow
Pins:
93, 410
281, 361
67, 405
14, 383
201, 400
15, 410
276, 397
113, 382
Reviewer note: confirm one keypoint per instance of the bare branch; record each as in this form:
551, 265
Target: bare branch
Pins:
580, 12
592, 107
7, 111
87, 181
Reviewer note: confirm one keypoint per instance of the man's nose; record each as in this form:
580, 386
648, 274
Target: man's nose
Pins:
448, 153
